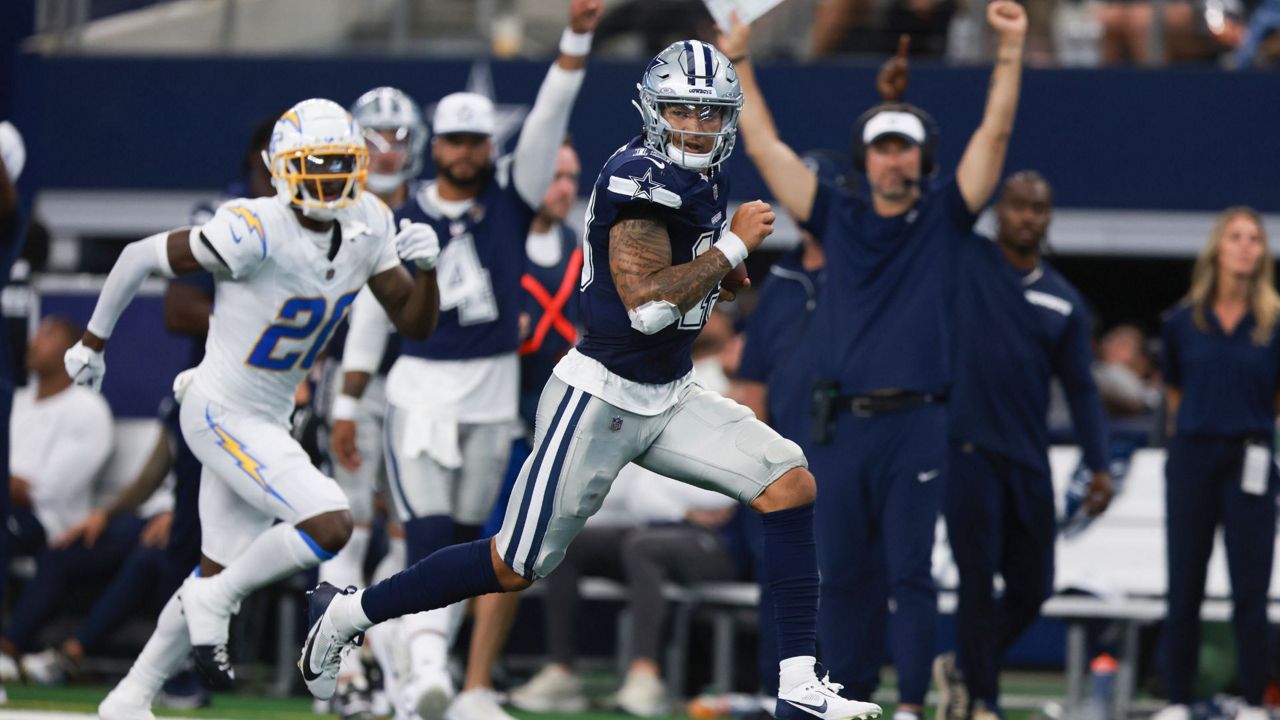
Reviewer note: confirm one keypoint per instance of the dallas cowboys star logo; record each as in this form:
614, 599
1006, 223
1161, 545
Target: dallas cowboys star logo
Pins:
645, 185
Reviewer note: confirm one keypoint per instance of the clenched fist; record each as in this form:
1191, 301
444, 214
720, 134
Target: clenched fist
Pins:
753, 222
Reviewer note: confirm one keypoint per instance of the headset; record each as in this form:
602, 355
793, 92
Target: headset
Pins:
928, 149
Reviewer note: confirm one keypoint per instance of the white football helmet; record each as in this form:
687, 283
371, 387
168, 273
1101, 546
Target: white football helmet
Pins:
392, 122
690, 77
317, 158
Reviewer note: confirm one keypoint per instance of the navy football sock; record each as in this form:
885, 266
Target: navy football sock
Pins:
791, 566
425, 535
446, 576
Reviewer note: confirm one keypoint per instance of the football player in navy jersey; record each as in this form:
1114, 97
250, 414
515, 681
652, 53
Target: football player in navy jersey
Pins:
658, 251
452, 402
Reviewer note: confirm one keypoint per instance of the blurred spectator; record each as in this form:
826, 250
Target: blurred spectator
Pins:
1123, 373
1261, 43
652, 25
60, 439
867, 27
1193, 30
168, 547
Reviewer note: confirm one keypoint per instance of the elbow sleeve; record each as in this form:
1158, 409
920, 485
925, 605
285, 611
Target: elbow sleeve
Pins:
653, 316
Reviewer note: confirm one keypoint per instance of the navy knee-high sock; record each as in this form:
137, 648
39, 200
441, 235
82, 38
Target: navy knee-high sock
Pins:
791, 569
441, 579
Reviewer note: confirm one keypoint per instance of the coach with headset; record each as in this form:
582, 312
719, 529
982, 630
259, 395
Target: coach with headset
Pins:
882, 373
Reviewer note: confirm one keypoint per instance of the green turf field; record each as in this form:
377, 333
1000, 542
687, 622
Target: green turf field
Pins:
83, 700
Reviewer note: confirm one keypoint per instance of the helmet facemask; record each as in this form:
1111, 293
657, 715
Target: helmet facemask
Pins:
383, 142
322, 178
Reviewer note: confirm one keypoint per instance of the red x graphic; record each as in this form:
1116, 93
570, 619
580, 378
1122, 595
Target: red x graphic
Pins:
553, 307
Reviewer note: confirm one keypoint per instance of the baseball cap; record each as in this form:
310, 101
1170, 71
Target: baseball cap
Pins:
894, 122
12, 150
464, 112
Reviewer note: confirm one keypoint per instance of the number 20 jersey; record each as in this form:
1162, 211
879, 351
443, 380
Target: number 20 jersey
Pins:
636, 182
280, 297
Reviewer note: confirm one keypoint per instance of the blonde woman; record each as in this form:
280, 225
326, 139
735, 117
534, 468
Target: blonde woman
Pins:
1221, 364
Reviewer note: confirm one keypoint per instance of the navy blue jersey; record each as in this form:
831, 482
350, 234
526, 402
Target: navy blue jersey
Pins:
774, 333
551, 302
1013, 334
884, 321
481, 261
636, 182
1228, 382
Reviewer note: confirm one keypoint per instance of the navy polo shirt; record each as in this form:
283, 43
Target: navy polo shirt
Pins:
482, 256
1228, 382
774, 331
884, 319
1014, 332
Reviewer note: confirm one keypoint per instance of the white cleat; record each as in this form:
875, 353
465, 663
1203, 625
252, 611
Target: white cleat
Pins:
821, 699
1173, 712
477, 704
125, 703
643, 695
1252, 712
322, 651
208, 624
428, 692
552, 690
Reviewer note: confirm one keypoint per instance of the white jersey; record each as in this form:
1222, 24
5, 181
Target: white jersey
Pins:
280, 297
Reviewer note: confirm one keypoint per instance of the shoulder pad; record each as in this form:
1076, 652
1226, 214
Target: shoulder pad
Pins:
643, 178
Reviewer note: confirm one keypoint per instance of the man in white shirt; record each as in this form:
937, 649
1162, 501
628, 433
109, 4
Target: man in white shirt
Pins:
60, 437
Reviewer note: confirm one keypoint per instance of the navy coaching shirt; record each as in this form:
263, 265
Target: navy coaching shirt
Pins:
774, 333
1013, 333
884, 319
1228, 383
638, 183
481, 261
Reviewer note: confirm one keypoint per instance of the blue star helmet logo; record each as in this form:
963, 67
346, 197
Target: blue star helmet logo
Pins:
646, 186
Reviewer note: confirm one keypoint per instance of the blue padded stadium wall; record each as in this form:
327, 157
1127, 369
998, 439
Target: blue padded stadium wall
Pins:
120, 122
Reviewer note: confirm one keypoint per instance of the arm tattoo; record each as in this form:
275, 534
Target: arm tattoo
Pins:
640, 262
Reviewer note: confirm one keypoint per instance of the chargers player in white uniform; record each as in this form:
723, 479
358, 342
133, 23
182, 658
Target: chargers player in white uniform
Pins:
657, 252
286, 269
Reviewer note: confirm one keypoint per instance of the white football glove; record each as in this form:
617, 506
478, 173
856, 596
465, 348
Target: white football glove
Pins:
418, 242
85, 366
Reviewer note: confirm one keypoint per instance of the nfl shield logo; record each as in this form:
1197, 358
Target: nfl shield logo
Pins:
715, 192
616, 424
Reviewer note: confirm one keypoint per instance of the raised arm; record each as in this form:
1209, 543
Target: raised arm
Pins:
548, 121
655, 292
412, 304
983, 159
793, 185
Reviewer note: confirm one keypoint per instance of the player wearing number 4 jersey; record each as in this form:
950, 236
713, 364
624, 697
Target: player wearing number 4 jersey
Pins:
286, 269
658, 255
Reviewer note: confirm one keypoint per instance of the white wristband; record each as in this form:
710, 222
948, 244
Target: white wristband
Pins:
572, 43
732, 247
344, 407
